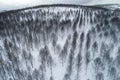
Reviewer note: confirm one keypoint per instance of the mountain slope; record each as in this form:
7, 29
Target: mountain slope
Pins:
60, 42
110, 6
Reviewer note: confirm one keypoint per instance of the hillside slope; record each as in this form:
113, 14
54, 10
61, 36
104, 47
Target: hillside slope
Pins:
60, 42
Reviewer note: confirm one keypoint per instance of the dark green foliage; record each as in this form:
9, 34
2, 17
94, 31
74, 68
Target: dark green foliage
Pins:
98, 64
100, 76
78, 64
112, 72
64, 51
51, 78
81, 39
95, 46
75, 36
76, 20
35, 74
66, 77
87, 58
70, 63
88, 40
